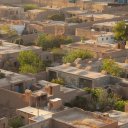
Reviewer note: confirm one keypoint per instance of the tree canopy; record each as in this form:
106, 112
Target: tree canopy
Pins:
30, 7
57, 17
51, 41
112, 67
73, 55
121, 31
30, 62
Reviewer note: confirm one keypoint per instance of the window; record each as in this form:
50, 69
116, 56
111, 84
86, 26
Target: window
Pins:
47, 57
102, 39
106, 38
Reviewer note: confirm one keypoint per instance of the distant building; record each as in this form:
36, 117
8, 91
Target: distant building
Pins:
104, 26
105, 38
55, 27
11, 12
40, 14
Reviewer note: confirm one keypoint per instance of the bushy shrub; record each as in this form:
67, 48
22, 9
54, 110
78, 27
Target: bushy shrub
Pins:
30, 7
112, 67
73, 55
119, 105
58, 81
51, 41
57, 17
16, 122
30, 62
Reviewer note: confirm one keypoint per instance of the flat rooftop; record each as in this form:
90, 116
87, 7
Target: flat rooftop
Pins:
34, 111
36, 11
54, 23
77, 12
93, 46
107, 24
102, 34
121, 117
8, 7
82, 119
98, 16
14, 78
123, 65
8, 48
75, 71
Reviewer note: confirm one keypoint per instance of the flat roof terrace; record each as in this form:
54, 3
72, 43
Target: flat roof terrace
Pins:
93, 46
34, 111
83, 119
54, 23
98, 16
14, 78
107, 24
6, 47
75, 71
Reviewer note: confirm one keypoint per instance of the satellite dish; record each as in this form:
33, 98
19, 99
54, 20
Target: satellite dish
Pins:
18, 28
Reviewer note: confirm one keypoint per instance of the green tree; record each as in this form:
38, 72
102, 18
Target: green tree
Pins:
30, 7
51, 41
57, 17
112, 67
30, 62
16, 122
121, 31
73, 55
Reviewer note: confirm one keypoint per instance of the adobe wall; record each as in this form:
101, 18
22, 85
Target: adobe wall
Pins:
67, 97
117, 54
3, 123
41, 124
102, 81
10, 101
38, 76
29, 38
58, 124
